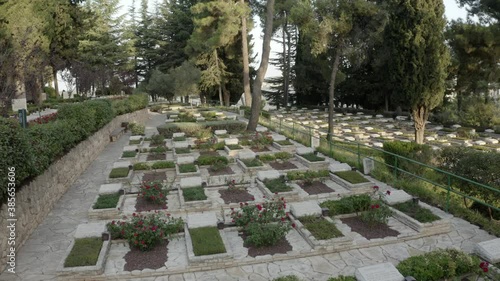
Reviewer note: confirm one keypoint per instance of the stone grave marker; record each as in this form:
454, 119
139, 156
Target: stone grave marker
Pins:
489, 250
368, 165
190, 182
307, 208
378, 272
269, 174
195, 220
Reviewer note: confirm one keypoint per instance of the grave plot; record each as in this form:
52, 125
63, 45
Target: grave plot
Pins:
136, 247
284, 144
271, 183
307, 157
186, 167
232, 147
150, 196
192, 194
315, 184
108, 202
281, 161
158, 153
353, 181
121, 172
235, 193
248, 162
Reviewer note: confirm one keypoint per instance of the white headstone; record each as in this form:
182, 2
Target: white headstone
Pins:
339, 167
368, 165
489, 250
397, 196
220, 132
91, 229
195, 220
110, 188
378, 144
231, 141
278, 137
456, 126
19, 104
178, 135
169, 121
315, 142
304, 150
269, 174
489, 131
480, 142
122, 164
246, 154
132, 138
378, 272
190, 182
181, 144
491, 140
307, 208
261, 129
130, 148
185, 160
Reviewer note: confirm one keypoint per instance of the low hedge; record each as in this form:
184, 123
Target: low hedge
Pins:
190, 129
418, 152
130, 104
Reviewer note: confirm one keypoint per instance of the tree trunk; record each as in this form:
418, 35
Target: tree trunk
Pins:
285, 69
386, 102
56, 84
246, 65
261, 73
288, 64
420, 115
225, 94
186, 99
220, 79
331, 93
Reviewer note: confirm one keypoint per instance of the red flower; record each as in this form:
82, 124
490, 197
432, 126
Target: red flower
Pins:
388, 192
264, 196
253, 198
377, 206
484, 266
133, 214
259, 207
375, 187
246, 203
282, 219
113, 222
372, 206
293, 225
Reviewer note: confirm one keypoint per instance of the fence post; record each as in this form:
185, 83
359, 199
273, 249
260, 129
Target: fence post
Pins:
448, 194
280, 125
310, 137
293, 130
330, 144
359, 157
395, 168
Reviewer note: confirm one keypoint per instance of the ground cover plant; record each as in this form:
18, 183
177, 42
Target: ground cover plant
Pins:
85, 252
413, 210
251, 162
163, 165
348, 205
351, 176
106, 201
187, 168
311, 157
129, 154
141, 166
277, 185
182, 150
309, 174
206, 241
119, 172
211, 159
234, 146
320, 228
284, 142
196, 193
153, 192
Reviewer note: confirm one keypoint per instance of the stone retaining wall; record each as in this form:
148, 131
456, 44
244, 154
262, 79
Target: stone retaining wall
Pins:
36, 199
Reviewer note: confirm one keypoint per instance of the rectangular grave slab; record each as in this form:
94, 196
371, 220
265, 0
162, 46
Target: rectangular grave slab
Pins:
91, 229
231, 141
489, 250
246, 154
396, 197
304, 150
181, 144
278, 137
200, 119
269, 174
169, 121
135, 138
190, 182
178, 135
185, 160
220, 132
261, 129
195, 220
338, 167
379, 272
122, 164
307, 208
130, 148
110, 188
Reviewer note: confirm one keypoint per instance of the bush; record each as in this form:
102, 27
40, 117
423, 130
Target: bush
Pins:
137, 129
277, 185
191, 129
130, 104
153, 192
15, 151
413, 210
103, 112
377, 213
81, 117
439, 265
157, 140
418, 152
194, 194
51, 92
210, 160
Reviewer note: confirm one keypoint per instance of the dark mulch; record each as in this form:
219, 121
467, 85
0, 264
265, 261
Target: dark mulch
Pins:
255, 149
225, 171
235, 196
316, 187
282, 165
154, 177
378, 230
209, 153
282, 247
143, 205
154, 157
153, 259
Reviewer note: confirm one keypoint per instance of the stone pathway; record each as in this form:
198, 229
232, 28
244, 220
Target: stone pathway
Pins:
39, 258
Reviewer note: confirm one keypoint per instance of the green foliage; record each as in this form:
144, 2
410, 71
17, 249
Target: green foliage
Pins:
163, 165
187, 168
153, 192
157, 140
129, 154
191, 129
413, 210
277, 185
377, 213
276, 156
348, 205
351, 176
82, 118
51, 92
234, 146
210, 160
342, 278
141, 166
287, 278
85, 252
183, 150
284, 142
179, 139
311, 157
251, 162
106, 201
309, 174
418, 152
137, 129
440, 264
103, 112
466, 132
320, 228
267, 157
206, 241
134, 142
145, 231
130, 104
158, 150
119, 172
194, 194
264, 224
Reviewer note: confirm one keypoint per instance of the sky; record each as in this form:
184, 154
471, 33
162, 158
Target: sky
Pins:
452, 11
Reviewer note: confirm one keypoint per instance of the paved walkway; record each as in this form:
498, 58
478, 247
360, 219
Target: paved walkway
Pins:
39, 258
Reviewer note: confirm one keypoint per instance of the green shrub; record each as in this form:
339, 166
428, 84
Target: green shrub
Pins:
119, 172
283, 156
141, 166
183, 150
348, 205
311, 157
418, 152
351, 176
103, 112
85, 252
206, 241
187, 168
179, 139
251, 162
163, 165
466, 133
15, 153
191, 129
129, 154
130, 104
106, 201
377, 213
82, 118
277, 185
157, 140
194, 194
158, 150
51, 92
320, 228
210, 160
413, 210
287, 278
440, 264
267, 157
234, 146
137, 129
309, 174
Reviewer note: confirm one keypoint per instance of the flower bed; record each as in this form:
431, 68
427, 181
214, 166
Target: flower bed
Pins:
250, 164
207, 245
85, 256
194, 198
278, 185
108, 206
322, 233
235, 193
187, 170
120, 174
430, 223
353, 181
313, 161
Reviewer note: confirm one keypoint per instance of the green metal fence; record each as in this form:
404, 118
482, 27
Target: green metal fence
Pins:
354, 152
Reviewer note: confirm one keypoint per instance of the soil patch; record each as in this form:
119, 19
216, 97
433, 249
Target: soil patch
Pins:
376, 230
282, 247
143, 205
256, 149
153, 259
282, 165
235, 196
225, 171
154, 157
148, 177
316, 187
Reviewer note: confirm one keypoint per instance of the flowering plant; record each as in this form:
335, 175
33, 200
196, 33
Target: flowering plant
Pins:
263, 224
44, 119
145, 231
232, 186
153, 192
377, 213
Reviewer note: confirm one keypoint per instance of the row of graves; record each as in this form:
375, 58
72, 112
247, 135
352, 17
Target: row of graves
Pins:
374, 130
183, 204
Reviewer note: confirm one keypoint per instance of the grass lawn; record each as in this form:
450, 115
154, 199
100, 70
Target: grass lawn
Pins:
206, 241
128, 154
413, 210
194, 194
107, 201
133, 142
182, 150
277, 185
141, 166
119, 172
320, 228
251, 162
187, 168
163, 165
351, 176
311, 157
85, 252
